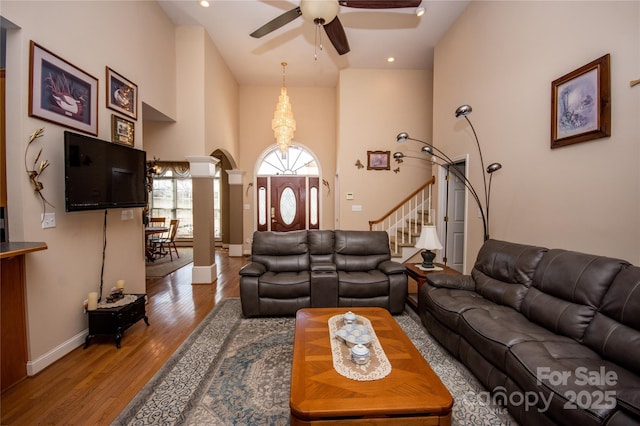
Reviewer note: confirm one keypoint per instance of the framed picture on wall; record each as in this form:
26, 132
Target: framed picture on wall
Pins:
581, 104
378, 160
122, 94
122, 130
60, 92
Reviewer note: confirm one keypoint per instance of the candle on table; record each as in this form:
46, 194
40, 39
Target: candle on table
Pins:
120, 285
92, 303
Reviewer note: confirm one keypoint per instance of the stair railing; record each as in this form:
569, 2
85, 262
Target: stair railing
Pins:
406, 218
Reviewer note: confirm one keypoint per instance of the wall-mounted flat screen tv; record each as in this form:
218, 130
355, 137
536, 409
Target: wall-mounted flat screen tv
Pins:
102, 175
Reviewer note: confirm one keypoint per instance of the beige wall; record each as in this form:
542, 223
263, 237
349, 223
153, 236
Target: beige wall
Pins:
376, 105
501, 57
314, 110
59, 279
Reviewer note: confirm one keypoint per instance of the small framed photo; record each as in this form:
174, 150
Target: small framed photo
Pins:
60, 92
581, 104
122, 94
378, 160
122, 130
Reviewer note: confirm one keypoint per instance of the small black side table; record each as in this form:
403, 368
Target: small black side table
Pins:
114, 321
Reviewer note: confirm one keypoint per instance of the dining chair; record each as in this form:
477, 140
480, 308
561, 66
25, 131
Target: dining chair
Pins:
170, 241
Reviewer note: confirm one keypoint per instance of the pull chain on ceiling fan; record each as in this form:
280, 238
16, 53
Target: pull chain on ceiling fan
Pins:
325, 13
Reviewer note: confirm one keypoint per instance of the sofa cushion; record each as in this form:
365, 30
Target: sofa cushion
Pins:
493, 330
574, 375
281, 251
615, 331
362, 284
567, 289
321, 245
503, 271
360, 250
284, 285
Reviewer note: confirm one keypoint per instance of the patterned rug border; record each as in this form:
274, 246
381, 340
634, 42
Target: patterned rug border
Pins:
170, 396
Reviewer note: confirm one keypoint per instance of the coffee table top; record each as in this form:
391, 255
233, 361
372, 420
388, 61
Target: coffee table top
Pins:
318, 391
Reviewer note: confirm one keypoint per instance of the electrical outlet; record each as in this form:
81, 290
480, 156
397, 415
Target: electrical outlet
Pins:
126, 214
48, 220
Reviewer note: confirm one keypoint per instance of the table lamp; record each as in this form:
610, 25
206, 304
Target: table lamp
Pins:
429, 241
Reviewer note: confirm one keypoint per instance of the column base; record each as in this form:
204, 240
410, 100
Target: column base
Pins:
235, 250
204, 274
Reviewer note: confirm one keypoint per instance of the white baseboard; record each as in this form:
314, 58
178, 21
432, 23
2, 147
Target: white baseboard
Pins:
204, 274
39, 364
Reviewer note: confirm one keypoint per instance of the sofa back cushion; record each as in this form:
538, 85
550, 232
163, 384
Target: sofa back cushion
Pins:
567, 290
503, 271
281, 251
615, 330
361, 250
321, 244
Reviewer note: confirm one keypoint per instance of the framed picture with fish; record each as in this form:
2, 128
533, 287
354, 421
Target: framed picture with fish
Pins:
122, 94
60, 92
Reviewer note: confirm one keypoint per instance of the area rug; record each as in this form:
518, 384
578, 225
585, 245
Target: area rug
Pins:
165, 265
237, 371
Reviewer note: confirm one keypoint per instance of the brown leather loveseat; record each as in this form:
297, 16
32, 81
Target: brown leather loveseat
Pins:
321, 268
554, 334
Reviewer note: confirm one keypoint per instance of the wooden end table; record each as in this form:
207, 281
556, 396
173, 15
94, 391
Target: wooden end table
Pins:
412, 394
420, 277
114, 321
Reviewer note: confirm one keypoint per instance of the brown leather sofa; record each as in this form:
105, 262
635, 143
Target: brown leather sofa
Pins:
554, 334
301, 269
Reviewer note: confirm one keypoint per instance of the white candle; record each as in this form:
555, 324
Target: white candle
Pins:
120, 285
92, 303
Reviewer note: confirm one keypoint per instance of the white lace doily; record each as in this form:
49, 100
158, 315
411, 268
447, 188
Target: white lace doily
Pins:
126, 299
378, 365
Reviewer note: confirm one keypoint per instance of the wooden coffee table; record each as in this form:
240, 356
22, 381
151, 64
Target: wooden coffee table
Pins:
411, 394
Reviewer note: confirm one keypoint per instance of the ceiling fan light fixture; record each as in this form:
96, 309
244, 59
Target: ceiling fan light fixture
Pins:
319, 11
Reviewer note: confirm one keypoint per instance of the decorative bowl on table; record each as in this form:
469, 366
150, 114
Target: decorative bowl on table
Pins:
354, 334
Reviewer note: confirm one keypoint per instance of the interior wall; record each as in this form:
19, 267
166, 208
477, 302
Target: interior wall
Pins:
314, 109
60, 278
501, 57
376, 105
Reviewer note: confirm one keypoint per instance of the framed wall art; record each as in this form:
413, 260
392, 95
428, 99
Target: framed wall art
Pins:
122, 130
581, 104
378, 160
122, 94
61, 93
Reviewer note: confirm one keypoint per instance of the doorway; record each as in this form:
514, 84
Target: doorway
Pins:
288, 191
454, 215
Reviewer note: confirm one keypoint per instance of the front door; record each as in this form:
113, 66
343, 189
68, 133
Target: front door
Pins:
288, 203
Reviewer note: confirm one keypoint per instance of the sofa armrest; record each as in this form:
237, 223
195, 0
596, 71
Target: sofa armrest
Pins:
459, 282
390, 267
323, 267
253, 269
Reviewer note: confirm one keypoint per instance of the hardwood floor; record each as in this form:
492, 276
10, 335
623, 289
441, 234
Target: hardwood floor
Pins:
91, 386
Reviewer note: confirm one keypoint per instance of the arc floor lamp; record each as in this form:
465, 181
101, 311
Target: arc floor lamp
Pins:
482, 200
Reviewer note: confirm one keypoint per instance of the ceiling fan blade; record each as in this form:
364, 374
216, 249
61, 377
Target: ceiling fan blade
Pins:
380, 4
335, 32
276, 23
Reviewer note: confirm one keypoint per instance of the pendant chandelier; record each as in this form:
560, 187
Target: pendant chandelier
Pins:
283, 123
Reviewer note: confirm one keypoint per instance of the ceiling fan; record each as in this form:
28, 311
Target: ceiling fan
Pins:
325, 13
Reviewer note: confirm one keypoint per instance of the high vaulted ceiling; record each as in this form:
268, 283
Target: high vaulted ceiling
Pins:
373, 35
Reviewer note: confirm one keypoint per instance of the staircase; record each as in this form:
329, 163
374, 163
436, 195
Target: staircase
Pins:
404, 222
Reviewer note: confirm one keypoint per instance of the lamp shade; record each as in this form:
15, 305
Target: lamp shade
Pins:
429, 238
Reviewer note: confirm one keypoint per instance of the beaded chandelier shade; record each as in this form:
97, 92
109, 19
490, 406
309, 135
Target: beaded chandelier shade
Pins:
283, 123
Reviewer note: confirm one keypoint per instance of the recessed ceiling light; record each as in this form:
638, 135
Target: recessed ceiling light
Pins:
204, 3
420, 11
391, 59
